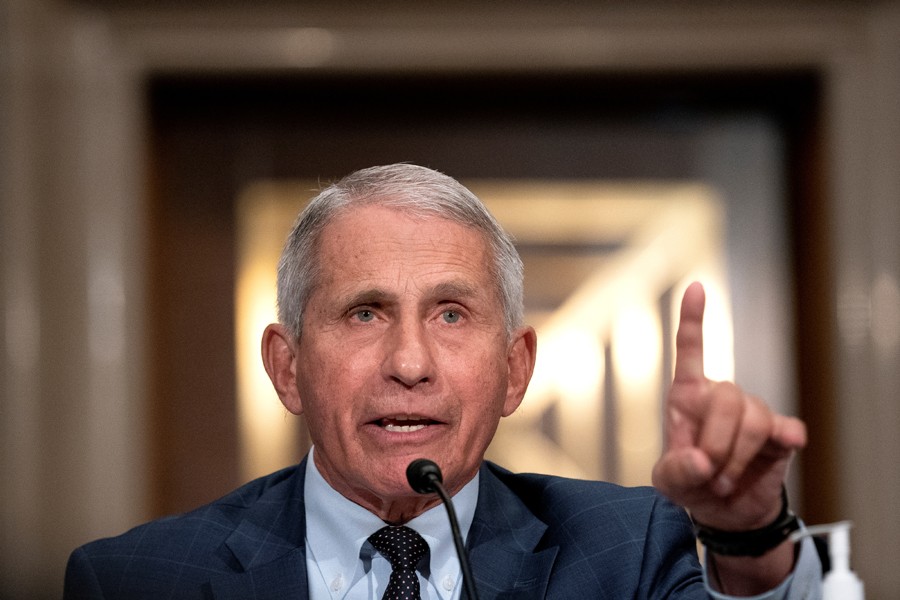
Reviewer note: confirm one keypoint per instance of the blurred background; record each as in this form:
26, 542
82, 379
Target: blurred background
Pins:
154, 154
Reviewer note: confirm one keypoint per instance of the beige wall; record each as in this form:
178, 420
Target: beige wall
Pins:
70, 294
72, 237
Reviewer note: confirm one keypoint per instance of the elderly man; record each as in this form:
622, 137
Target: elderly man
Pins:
401, 336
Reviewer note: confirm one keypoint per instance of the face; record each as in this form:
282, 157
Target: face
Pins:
404, 354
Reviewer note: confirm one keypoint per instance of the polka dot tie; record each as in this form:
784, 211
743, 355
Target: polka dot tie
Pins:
404, 548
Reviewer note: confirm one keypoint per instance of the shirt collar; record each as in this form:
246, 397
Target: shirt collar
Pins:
337, 528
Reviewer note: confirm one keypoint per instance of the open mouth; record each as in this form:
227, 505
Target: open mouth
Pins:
404, 424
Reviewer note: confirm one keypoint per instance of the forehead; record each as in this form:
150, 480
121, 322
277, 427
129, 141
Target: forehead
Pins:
386, 253
381, 247
373, 229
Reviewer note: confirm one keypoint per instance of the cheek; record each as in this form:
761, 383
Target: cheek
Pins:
325, 380
483, 385
327, 365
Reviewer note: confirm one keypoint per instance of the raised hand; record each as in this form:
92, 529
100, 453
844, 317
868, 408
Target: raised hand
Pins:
726, 453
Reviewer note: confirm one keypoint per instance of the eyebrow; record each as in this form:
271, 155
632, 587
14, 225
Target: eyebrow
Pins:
370, 296
451, 290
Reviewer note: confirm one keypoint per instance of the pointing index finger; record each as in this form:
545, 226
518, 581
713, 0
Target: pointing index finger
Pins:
689, 339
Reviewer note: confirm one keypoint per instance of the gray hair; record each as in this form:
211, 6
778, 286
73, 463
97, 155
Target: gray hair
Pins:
417, 190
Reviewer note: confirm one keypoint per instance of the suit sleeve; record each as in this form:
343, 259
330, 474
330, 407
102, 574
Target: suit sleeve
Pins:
81, 581
670, 567
670, 563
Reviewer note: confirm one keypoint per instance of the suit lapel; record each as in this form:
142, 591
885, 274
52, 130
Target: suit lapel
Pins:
502, 545
269, 546
281, 579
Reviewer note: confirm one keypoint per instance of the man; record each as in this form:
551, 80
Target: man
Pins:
401, 336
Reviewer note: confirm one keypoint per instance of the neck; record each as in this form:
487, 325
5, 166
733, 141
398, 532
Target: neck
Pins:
401, 511
393, 509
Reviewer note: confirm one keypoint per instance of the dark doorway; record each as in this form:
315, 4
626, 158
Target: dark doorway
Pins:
211, 136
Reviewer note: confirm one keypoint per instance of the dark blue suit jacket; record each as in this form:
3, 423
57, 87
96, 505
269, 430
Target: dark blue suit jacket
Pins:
533, 536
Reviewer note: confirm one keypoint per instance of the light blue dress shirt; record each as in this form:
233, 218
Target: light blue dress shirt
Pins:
342, 565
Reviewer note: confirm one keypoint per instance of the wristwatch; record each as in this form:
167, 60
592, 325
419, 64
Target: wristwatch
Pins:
755, 542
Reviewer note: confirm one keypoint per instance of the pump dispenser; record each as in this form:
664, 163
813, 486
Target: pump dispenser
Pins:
840, 582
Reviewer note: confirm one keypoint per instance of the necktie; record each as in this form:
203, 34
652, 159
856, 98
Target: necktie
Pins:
404, 548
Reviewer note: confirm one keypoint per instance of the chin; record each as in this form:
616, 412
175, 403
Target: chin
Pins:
392, 480
394, 492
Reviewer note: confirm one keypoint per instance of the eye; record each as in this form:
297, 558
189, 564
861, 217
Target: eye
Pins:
450, 316
364, 314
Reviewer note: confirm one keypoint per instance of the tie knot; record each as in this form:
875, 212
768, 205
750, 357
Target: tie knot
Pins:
402, 546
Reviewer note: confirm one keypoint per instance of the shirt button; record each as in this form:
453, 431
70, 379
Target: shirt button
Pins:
448, 582
337, 583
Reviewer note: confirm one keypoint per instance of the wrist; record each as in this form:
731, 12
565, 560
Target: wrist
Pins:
751, 576
753, 543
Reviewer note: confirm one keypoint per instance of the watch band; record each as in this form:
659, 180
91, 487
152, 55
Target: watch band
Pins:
755, 542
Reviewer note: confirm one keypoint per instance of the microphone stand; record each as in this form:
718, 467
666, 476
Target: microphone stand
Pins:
425, 477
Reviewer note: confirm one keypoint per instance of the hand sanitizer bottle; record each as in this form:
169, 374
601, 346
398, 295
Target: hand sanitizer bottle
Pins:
840, 582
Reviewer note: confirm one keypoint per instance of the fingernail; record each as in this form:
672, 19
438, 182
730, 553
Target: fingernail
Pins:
723, 486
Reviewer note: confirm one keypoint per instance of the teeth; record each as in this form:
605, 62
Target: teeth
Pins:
404, 428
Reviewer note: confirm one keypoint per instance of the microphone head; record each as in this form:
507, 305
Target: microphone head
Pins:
422, 475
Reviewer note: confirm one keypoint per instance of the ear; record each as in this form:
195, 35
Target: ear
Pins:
278, 355
520, 364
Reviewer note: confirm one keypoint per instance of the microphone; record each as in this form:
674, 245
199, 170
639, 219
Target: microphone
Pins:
424, 477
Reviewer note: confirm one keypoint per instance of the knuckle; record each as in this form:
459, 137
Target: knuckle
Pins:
758, 420
728, 397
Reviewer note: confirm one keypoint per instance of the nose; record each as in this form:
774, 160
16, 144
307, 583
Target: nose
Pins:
409, 360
